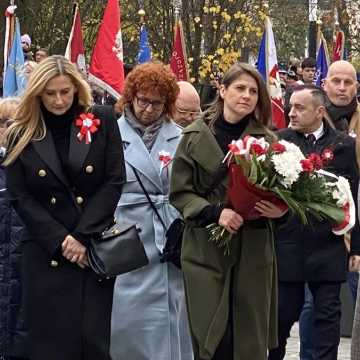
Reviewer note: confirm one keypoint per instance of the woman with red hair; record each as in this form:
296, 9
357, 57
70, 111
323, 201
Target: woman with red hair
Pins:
149, 316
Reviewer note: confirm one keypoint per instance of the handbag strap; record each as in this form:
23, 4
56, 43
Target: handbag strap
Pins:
148, 198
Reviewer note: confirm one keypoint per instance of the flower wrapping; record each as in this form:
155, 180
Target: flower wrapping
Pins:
242, 195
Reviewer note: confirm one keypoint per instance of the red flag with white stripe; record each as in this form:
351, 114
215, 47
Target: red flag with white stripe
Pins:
75, 51
9, 31
107, 62
277, 105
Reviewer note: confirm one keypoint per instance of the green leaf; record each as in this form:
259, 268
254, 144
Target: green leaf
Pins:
329, 211
253, 173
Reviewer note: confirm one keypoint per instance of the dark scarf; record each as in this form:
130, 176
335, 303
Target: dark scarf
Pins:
148, 133
341, 115
60, 128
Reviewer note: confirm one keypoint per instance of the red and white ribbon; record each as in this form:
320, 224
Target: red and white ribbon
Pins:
88, 125
10, 10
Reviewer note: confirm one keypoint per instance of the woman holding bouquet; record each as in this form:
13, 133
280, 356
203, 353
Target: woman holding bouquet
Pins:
231, 299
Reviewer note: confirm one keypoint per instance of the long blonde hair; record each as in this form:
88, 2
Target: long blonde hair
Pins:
29, 125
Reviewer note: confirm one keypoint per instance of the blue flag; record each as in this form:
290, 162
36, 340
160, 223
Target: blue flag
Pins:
322, 63
14, 79
261, 61
144, 48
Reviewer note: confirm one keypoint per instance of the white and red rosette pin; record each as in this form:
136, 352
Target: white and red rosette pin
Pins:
165, 158
88, 124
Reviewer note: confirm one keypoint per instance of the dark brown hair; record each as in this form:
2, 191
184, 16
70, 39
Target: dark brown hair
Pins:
262, 114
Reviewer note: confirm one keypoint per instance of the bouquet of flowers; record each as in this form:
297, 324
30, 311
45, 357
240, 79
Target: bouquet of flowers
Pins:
280, 173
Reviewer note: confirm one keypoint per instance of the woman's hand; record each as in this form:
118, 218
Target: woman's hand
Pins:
74, 251
269, 210
230, 220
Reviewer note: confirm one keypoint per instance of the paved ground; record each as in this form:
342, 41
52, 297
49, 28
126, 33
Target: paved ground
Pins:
293, 346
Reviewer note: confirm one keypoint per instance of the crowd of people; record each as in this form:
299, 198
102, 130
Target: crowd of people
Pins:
154, 157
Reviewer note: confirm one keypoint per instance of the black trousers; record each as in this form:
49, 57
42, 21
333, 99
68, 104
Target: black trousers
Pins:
327, 313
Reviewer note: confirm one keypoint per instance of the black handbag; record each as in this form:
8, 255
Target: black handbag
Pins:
173, 234
118, 251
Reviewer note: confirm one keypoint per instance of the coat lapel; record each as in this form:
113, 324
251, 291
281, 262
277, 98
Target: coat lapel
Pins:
167, 140
136, 153
208, 153
47, 152
78, 150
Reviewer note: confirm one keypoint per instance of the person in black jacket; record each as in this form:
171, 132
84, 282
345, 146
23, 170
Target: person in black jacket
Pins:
13, 334
65, 172
313, 254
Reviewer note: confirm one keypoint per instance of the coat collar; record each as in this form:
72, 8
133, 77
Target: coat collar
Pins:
47, 152
206, 144
135, 150
78, 151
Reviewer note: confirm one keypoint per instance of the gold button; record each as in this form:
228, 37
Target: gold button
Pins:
53, 201
42, 173
79, 200
89, 169
54, 263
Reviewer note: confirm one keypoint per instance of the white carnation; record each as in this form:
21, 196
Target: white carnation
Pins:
288, 163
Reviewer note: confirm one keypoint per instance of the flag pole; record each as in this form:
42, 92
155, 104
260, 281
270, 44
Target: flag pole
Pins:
9, 34
313, 34
177, 9
142, 14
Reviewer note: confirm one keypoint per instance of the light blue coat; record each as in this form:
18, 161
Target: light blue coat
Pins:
149, 320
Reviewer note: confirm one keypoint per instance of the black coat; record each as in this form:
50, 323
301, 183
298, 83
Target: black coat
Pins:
68, 309
313, 252
13, 334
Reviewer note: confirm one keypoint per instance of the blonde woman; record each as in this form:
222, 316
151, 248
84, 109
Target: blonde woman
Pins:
65, 188
7, 113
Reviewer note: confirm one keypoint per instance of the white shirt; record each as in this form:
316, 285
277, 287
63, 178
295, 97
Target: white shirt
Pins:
317, 133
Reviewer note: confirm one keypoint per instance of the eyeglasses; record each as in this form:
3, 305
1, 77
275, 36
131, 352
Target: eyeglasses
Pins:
187, 112
144, 103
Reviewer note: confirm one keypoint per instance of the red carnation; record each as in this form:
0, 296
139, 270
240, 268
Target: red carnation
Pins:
257, 149
316, 161
327, 155
278, 148
307, 165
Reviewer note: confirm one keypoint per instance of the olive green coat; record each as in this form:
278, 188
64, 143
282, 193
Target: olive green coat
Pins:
207, 271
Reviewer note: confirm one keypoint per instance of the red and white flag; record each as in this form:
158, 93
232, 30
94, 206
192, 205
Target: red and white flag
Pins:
9, 31
178, 61
75, 51
338, 47
268, 67
107, 62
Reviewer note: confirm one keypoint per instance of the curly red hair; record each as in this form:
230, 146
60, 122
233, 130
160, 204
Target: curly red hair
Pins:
151, 77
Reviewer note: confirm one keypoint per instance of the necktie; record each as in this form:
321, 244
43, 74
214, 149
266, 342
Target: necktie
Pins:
311, 139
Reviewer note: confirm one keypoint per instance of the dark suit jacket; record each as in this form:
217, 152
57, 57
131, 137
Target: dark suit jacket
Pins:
313, 252
57, 291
